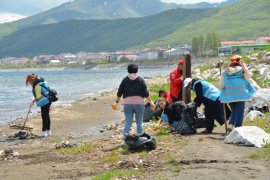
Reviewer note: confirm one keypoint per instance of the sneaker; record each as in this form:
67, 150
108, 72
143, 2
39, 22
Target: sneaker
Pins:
49, 133
42, 134
230, 127
123, 143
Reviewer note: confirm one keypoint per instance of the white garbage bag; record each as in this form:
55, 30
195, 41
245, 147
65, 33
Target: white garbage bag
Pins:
248, 136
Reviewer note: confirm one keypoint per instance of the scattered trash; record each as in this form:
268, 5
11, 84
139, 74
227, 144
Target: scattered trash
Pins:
22, 135
8, 154
248, 136
262, 108
64, 144
252, 115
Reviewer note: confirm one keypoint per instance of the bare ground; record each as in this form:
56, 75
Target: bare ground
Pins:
176, 157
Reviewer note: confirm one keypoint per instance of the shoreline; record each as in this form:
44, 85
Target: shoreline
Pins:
100, 101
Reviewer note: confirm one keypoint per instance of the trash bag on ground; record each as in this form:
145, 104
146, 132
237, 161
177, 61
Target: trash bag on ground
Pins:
144, 142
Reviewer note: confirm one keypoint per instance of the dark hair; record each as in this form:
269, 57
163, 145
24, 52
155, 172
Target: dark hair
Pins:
132, 68
160, 92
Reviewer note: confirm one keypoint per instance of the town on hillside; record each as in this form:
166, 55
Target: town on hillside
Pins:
225, 48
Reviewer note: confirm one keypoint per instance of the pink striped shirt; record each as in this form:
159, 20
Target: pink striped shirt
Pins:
133, 100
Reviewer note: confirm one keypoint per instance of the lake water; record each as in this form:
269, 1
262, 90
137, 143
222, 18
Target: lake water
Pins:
71, 85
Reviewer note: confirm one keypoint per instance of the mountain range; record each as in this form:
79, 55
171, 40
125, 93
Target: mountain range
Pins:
246, 19
101, 9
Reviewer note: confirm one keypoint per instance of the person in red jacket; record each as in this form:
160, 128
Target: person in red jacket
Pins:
166, 95
176, 81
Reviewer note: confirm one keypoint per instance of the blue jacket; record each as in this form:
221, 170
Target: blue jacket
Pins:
43, 99
236, 88
209, 91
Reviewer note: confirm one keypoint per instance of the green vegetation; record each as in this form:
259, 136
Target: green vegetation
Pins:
111, 158
97, 35
207, 47
245, 20
204, 67
260, 122
77, 149
85, 9
155, 88
263, 153
263, 83
115, 173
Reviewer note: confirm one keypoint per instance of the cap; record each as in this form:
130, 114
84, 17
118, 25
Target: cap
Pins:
187, 81
181, 62
235, 58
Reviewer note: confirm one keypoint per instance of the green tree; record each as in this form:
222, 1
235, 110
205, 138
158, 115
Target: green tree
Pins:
195, 46
201, 45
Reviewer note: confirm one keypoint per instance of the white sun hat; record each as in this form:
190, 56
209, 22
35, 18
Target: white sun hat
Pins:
187, 81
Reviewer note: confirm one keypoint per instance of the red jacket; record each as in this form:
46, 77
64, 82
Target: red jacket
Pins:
176, 82
168, 97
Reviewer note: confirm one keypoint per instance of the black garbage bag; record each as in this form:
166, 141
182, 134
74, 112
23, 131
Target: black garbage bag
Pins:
22, 135
144, 142
263, 108
183, 128
193, 118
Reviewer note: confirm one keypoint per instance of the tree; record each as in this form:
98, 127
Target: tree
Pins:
195, 46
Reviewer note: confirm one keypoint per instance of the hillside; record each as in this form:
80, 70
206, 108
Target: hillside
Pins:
97, 35
90, 9
101, 9
246, 19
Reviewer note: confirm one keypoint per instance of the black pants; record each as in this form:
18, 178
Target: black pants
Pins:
45, 114
213, 111
174, 99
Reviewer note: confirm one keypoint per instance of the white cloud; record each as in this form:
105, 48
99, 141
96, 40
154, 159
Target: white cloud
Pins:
29, 7
191, 1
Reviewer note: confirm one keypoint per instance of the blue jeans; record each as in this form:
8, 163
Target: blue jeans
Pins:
237, 114
130, 110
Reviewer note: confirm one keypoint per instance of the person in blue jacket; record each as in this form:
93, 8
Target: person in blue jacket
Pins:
40, 93
236, 89
208, 95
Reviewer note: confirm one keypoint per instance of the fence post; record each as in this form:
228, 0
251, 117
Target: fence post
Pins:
186, 94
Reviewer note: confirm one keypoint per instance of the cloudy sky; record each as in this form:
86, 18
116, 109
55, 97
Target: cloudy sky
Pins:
30, 7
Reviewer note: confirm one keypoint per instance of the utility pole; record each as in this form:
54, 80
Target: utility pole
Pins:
186, 94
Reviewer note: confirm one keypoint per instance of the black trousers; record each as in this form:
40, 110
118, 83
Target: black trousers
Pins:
174, 99
213, 111
45, 114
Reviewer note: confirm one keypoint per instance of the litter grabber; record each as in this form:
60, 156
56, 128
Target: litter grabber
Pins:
26, 118
29, 110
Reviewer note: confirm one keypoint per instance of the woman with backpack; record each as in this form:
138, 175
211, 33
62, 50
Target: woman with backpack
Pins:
236, 89
133, 89
40, 90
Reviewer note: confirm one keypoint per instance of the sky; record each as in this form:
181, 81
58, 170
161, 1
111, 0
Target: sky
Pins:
30, 7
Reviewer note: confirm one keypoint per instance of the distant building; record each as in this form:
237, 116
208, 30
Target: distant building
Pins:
177, 52
239, 49
54, 62
228, 43
263, 40
150, 54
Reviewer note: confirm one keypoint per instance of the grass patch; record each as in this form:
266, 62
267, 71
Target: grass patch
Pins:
111, 158
163, 131
77, 149
155, 88
204, 68
211, 80
263, 153
116, 173
263, 83
260, 122
55, 139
